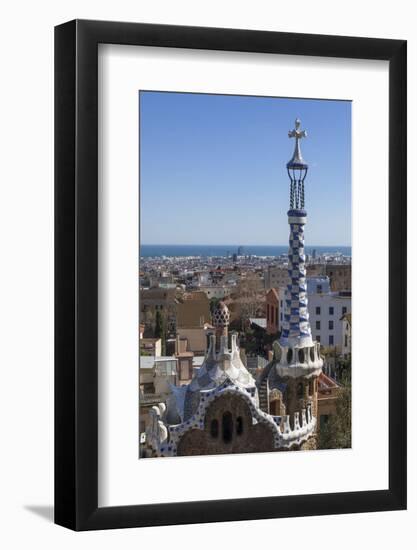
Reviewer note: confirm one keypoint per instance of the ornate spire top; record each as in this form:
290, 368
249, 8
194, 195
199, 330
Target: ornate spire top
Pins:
297, 169
297, 162
221, 315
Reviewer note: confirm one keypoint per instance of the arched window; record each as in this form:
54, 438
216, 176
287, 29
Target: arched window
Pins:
227, 427
275, 407
301, 355
239, 425
214, 428
312, 353
289, 355
300, 390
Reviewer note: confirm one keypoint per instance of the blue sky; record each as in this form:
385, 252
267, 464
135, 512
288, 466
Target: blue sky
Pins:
212, 169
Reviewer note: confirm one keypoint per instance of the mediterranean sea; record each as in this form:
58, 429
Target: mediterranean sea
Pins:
158, 250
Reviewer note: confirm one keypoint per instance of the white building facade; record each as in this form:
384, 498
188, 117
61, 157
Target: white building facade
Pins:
276, 277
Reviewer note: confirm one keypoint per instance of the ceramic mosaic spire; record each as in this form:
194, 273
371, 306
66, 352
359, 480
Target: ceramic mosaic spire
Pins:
296, 329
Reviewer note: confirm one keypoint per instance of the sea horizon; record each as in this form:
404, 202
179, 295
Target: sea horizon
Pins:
220, 250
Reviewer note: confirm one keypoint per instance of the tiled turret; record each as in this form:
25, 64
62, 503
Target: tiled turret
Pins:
298, 355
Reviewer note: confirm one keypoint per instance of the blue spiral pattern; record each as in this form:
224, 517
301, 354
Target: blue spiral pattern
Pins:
296, 328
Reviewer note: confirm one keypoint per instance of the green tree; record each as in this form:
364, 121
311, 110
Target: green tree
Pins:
213, 304
336, 433
344, 368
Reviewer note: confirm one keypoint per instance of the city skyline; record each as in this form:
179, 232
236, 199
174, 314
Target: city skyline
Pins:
237, 245
228, 250
227, 143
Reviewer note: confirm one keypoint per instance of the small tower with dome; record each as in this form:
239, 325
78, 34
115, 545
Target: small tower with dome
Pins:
218, 412
220, 319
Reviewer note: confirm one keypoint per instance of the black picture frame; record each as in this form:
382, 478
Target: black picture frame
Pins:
76, 272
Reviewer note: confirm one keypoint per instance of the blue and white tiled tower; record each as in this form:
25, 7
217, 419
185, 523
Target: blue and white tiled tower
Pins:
298, 351
296, 326
288, 385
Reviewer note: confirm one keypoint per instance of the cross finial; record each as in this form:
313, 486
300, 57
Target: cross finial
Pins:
297, 158
297, 133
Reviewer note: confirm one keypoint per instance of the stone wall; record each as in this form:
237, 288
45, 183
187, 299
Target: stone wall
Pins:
227, 429
310, 444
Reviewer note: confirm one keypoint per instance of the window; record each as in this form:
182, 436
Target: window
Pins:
324, 418
148, 388
312, 354
331, 310
214, 428
346, 340
331, 325
280, 303
331, 340
227, 427
317, 325
319, 289
300, 390
318, 310
344, 310
267, 312
239, 425
274, 407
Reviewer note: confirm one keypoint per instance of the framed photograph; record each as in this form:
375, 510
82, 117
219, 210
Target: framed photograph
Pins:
230, 232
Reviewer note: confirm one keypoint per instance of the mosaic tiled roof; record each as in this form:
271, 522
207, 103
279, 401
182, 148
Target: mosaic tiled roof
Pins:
219, 367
